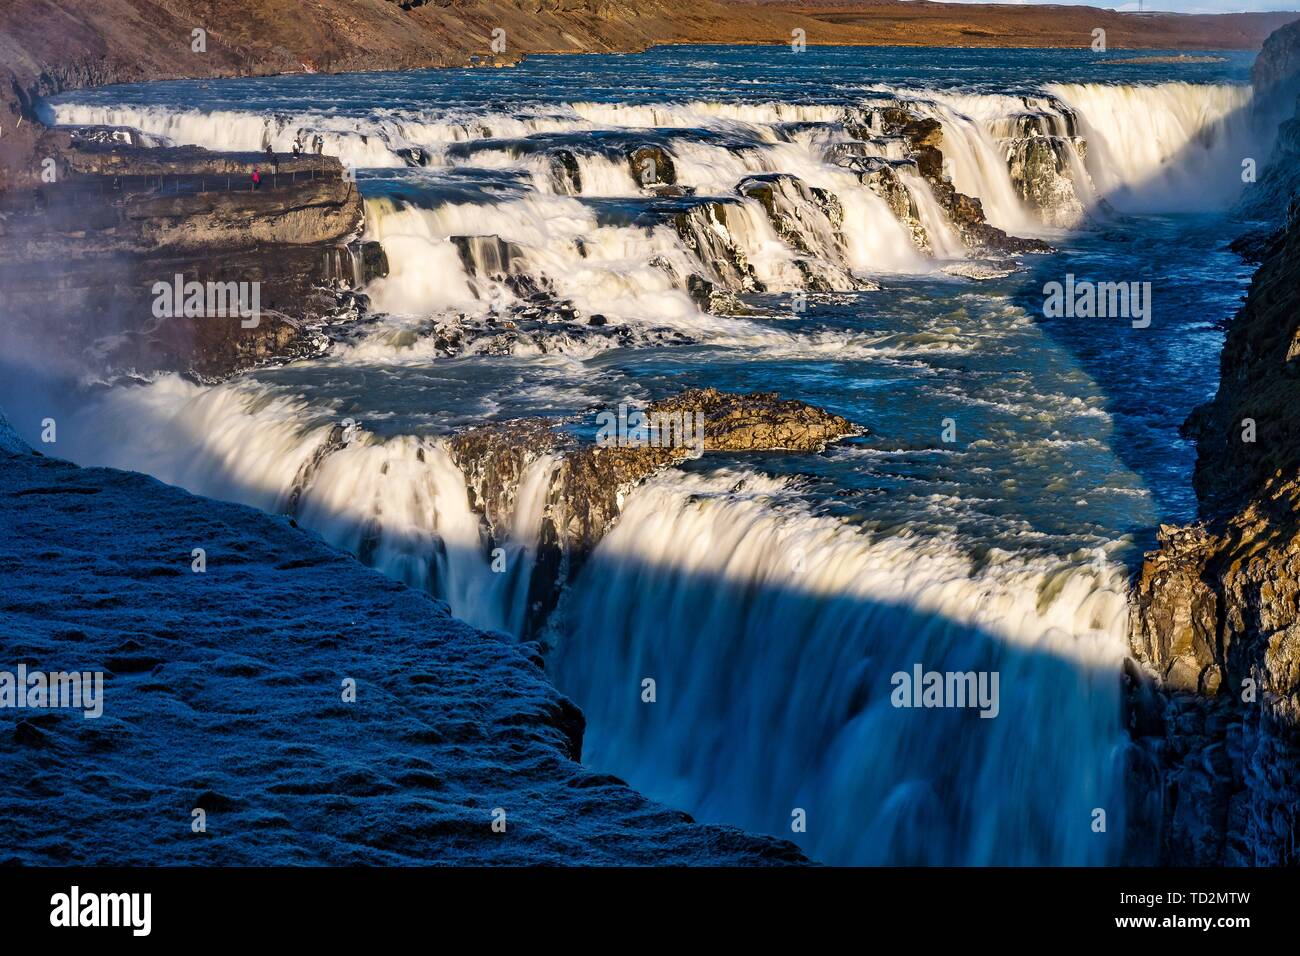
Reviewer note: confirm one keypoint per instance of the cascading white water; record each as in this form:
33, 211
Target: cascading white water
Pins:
1142, 143
944, 241
606, 269
773, 674
1146, 145
759, 623
771, 637
972, 157
400, 504
1151, 146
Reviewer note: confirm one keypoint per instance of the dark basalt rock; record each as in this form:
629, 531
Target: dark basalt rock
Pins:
1275, 76
1042, 174
1214, 621
810, 221
925, 139
652, 167
1216, 609
703, 228
565, 174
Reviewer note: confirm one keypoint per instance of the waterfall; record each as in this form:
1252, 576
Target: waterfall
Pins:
973, 157
771, 632
400, 503
1151, 146
1035, 161
771, 636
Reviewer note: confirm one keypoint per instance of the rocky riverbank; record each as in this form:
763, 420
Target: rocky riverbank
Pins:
93, 258
1215, 613
226, 691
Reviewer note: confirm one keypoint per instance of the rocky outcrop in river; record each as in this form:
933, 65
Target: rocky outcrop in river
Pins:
924, 137
586, 487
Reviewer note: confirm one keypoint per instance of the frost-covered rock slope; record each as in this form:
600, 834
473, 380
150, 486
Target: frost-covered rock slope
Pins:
223, 692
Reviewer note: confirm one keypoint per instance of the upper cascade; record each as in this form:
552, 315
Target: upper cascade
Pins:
581, 226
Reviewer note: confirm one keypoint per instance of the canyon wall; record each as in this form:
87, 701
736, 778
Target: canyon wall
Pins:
1215, 614
87, 256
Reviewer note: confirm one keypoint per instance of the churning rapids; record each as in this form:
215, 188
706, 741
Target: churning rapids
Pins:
583, 231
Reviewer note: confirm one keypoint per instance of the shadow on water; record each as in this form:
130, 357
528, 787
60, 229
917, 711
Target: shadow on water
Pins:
1154, 377
773, 696
771, 699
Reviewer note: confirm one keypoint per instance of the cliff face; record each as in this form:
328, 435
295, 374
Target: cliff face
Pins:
85, 256
1216, 607
1276, 78
585, 490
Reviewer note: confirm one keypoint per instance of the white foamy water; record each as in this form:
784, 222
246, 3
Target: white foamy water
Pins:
1172, 145
760, 624
1138, 147
771, 630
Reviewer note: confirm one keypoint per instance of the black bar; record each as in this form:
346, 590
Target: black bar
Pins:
929, 905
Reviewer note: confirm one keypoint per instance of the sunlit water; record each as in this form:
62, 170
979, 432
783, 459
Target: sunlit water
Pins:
1012, 470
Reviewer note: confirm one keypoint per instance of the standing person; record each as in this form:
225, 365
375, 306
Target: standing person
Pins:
257, 178
270, 156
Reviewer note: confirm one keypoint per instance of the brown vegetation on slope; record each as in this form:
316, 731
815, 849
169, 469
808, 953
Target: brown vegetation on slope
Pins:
48, 45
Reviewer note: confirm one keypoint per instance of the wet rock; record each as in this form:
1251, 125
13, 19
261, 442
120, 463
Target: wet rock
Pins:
924, 137
566, 177
127, 220
1215, 608
810, 221
881, 177
703, 229
1276, 79
652, 167
1044, 178
588, 481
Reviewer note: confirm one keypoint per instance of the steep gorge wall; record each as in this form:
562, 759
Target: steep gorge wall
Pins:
1217, 607
85, 256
